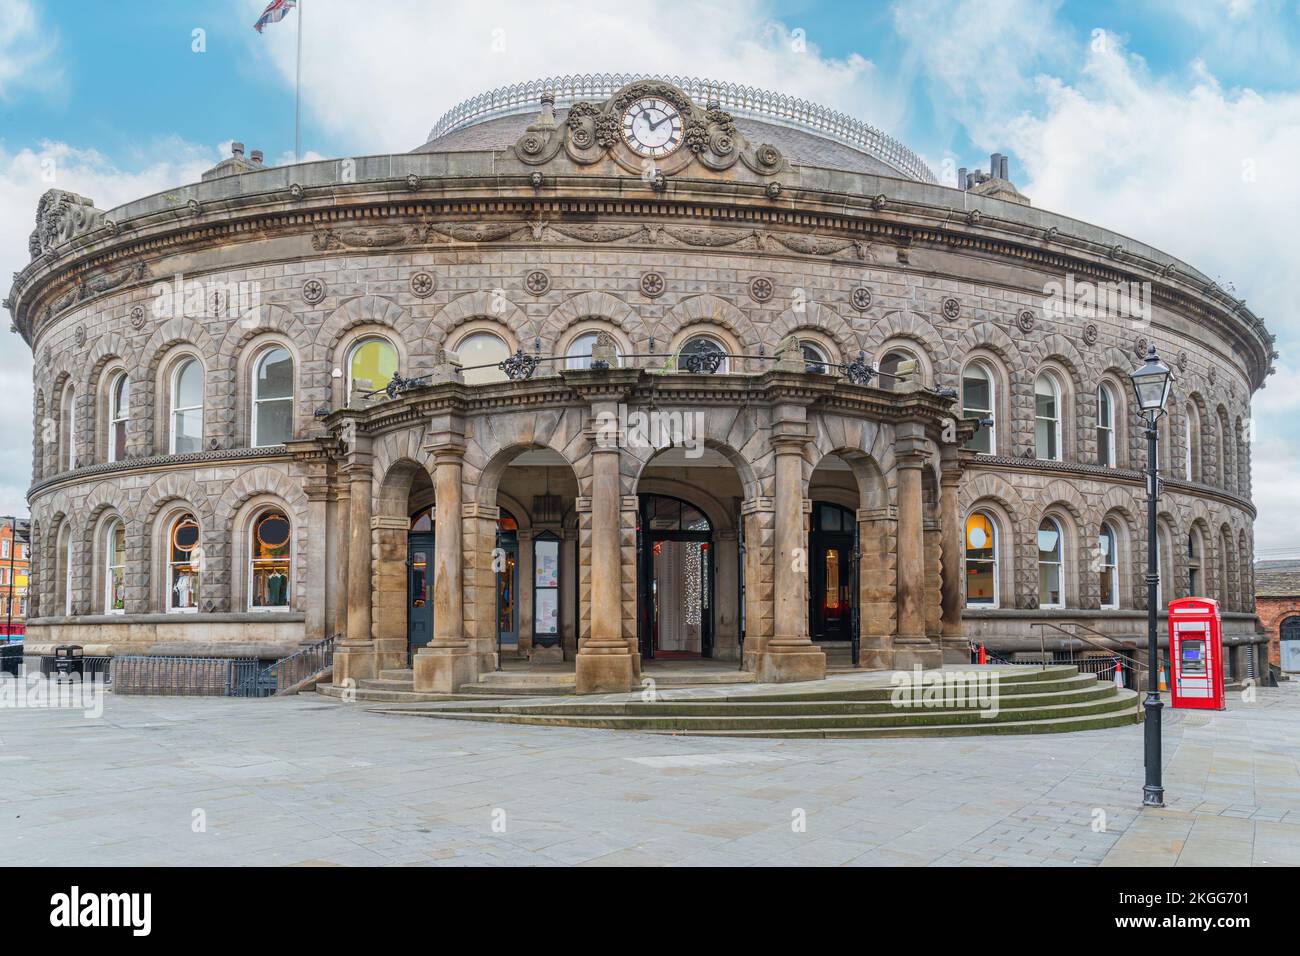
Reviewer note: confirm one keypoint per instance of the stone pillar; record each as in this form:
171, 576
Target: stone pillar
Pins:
604, 663
953, 532
319, 562
354, 658
911, 645
448, 661
790, 655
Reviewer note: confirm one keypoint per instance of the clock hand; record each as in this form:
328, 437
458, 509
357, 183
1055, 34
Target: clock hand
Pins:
655, 126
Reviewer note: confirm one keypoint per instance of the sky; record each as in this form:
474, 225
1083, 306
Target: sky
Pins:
1176, 122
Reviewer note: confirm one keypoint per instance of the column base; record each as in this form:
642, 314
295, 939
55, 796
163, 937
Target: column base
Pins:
445, 669
786, 664
354, 662
925, 656
955, 651
601, 673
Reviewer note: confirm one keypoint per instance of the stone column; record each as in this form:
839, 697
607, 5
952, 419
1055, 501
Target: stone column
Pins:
790, 655
448, 661
605, 663
355, 657
953, 533
911, 645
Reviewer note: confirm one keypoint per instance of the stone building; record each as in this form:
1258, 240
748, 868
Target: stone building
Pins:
1277, 601
612, 370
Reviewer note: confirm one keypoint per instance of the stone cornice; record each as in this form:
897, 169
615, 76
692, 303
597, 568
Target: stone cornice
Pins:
158, 463
862, 209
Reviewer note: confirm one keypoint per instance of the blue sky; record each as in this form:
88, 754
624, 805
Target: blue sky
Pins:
1139, 117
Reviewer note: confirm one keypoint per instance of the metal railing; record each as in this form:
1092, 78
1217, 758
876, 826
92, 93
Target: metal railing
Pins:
185, 676
1100, 665
745, 101
290, 671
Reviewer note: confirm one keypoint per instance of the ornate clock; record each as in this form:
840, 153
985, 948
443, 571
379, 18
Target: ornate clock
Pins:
652, 127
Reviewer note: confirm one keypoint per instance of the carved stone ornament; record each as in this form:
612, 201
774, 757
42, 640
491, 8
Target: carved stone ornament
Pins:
761, 288
79, 336
137, 317
652, 285
1140, 346
1182, 360
1090, 333
1025, 321
295, 191
537, 282
313, 291
860, 298
413, 182
951, 308
60, 217
1214, 374
423, 284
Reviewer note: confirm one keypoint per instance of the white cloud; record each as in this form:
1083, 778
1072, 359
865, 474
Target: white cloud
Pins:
26, 46
24, 176
380, 80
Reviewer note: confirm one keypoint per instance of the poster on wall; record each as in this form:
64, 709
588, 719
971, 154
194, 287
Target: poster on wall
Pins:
548, 564
548, 612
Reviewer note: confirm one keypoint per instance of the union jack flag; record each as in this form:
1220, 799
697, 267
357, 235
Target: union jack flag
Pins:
275, 11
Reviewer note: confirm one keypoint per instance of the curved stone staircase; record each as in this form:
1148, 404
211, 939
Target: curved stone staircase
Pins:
1055, 699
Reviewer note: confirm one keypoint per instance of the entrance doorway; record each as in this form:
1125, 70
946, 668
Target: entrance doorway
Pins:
675, 579
508, 581
832, 573
419, 581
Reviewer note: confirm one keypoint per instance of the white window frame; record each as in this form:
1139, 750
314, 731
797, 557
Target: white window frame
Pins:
67, 576
582, 360
118, 412
251, 562
984, 369
1111, 602
356, 347
822, 359
176, 409
258, 401
1059, 563
1057, 392
70, 400
997, 563
490, 333
110, 567
1106, 426
172, 564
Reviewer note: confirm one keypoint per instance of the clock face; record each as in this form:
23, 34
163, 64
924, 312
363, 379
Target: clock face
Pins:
652, 127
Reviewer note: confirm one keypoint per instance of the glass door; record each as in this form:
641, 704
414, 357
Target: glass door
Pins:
419, 591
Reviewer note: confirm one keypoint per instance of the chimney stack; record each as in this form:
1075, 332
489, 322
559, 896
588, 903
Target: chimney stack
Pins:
257, 157
237, 150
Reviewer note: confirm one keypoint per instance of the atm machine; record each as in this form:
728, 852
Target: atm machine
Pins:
1196, 653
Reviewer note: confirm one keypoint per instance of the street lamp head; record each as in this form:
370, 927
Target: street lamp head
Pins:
1151, 382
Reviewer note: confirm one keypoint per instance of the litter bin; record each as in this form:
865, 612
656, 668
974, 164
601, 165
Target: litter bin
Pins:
11, 658
68, 660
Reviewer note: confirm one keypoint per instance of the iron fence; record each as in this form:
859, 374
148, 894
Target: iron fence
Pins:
185, 676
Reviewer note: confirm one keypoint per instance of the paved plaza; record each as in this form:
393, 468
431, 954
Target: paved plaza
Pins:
305, 781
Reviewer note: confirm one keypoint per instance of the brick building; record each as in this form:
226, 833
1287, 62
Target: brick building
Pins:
1277, 602
15, 562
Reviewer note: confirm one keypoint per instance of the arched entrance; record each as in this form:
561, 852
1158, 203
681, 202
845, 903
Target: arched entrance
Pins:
419, 580
832, 570
1289, 649
675, 577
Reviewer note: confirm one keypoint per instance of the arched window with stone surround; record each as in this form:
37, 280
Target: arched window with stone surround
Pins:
183, 564
1051, 564
270, 549
1108, 565
115, 567
815, 360
1192, 448
578, 354
371, 360
480, 352
981, 575
1106, 410
68, 423
272, 405
979, 400
186, 408
1047, 417
704, 348
119, 412
1194, 552
899, 367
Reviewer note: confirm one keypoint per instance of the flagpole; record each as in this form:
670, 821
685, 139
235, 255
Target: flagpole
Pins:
297, 96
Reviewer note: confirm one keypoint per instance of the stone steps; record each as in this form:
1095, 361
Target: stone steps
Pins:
1052, 700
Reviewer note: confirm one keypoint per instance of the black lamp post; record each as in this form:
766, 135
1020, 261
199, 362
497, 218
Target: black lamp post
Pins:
1151, 383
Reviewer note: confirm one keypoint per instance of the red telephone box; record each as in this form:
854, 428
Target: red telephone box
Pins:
1196, 653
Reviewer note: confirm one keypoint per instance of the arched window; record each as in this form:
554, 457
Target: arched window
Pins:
1193, 562
977, 395
814, 358
69, 428
273, 398
1192, 447
1107, 565
183, 565
486, 350
1106, 426
119, 411
269, 548
115, 567
67, 575
1047, 418
707, 351
424, 520
899, 367
578, 354
981, 560
187, 408
372, 360
1051, 568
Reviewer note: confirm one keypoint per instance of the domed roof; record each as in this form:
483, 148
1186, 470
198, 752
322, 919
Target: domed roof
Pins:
805, 133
